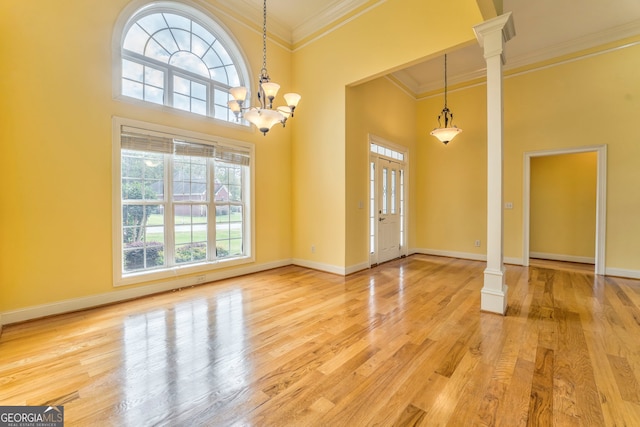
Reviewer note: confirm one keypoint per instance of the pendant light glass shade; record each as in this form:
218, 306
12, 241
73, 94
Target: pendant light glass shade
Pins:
446, 133
264, 119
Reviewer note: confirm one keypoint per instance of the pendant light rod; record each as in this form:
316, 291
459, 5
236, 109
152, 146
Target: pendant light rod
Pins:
446, 133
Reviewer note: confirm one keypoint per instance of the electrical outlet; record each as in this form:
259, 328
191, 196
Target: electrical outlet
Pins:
200, 279
477, 243
313, 249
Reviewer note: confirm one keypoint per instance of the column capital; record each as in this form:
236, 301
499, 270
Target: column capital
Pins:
494, 33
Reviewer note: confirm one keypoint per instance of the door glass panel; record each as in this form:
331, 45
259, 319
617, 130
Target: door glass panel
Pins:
393, 191
384, 191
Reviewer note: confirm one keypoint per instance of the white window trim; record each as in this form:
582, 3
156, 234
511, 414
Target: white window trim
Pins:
171, 272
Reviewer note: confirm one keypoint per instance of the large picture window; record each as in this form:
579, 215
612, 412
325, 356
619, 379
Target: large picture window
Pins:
183, 202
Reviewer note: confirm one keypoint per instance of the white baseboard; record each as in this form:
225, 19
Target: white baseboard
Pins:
561, 257
621, 272
328, 268
357, 267
82, 303
450, 254
464, 255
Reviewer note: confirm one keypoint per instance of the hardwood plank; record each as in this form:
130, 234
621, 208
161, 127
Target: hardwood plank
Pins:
401, 344
541, 402
625, 378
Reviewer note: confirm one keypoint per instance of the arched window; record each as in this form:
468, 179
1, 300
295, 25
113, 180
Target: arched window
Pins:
177, 56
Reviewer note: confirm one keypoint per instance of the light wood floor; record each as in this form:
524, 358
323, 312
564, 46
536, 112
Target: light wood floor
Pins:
402, 344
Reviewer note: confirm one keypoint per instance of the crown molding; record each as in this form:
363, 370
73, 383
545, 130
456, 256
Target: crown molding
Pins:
326, 18
558, 51
292, 35
576, 45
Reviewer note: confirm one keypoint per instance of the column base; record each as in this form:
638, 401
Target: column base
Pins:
493, 296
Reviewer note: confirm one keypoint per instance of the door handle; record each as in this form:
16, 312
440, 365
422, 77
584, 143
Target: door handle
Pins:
381, 219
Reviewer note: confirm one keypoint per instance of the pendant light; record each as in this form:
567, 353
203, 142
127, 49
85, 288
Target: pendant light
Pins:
264, 116
446, 133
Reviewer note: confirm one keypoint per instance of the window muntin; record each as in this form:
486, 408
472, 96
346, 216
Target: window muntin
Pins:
170, 57
182, 203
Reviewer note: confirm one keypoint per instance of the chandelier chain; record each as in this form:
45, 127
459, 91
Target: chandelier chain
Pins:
445, 80
264, 39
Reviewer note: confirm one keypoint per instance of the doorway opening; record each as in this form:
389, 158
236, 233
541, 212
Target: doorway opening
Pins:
600, 220
387, 201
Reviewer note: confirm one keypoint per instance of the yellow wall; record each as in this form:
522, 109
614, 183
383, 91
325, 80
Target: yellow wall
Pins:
563, 204
394, 33
584, 102
451, 193
55, 149
381, 109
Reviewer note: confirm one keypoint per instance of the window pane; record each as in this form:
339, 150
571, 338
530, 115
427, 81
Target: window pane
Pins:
232, 76
181, 85
132, 70
142, 175
153, 77
183, 38
135, 39
222, 53
228, 183
198, 90
199, 107
189, 179
202, 33
212, 60
142, 237
190, 233
177, 21
198, 46
157, 51
229, 226
132, 89
190, 62
153, 94
152, 23
166, 40
182, 102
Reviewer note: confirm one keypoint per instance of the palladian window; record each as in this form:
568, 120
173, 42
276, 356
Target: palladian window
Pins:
182, 59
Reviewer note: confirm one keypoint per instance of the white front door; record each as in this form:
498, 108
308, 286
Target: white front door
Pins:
389, 206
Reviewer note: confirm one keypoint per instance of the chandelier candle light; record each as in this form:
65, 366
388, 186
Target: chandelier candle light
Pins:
264, 116
446, 133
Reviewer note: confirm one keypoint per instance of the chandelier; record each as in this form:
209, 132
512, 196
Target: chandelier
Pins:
446, 133
264, 116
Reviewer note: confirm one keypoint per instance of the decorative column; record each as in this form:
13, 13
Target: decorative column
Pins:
492, 35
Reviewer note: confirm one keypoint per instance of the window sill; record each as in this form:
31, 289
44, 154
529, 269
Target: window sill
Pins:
179, 271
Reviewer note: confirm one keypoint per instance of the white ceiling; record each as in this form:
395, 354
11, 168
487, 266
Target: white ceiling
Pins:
544, 29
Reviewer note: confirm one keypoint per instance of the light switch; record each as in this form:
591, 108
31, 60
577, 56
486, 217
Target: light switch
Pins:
508, 205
